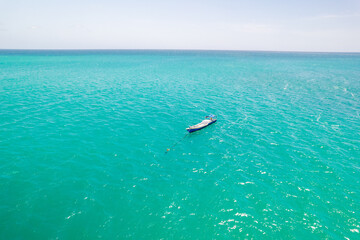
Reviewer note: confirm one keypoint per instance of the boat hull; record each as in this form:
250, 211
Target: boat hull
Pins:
190, 130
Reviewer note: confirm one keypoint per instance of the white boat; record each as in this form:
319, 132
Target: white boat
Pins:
203, 124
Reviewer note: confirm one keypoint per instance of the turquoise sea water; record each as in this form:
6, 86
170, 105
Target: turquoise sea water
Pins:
83, 136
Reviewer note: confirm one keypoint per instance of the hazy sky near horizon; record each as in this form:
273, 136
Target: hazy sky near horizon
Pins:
276, 25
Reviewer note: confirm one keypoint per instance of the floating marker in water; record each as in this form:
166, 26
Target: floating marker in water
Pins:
168, 149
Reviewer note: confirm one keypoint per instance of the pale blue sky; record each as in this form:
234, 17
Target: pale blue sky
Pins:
276, 25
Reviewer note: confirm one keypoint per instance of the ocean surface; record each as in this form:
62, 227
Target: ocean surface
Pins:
84, 136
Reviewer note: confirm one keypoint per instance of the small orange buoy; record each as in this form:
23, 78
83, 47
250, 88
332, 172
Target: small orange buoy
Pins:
168, 149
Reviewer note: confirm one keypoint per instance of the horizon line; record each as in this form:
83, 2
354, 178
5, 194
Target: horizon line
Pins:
167, 49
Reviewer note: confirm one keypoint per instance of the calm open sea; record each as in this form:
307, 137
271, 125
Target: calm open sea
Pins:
83, 136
